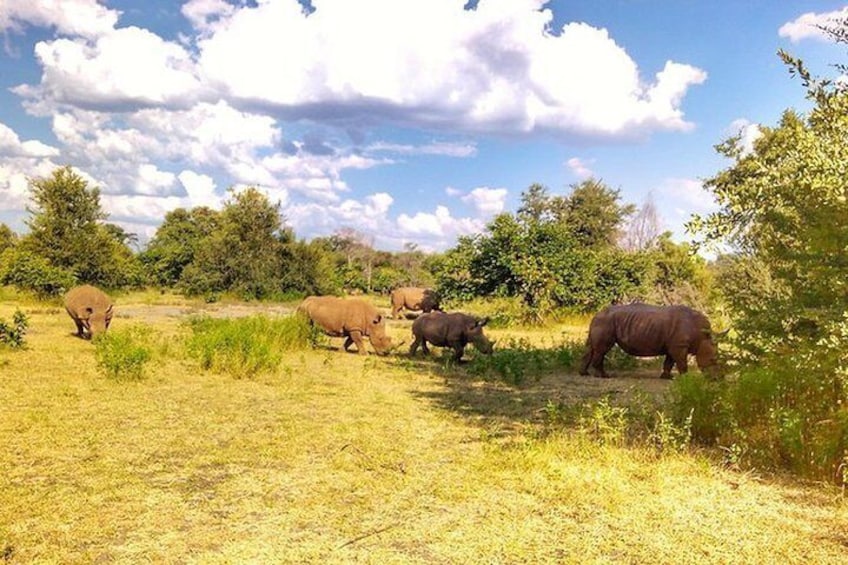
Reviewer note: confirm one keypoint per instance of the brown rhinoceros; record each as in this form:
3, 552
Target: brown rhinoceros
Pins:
452, 330
90, 308
413, 298
647, 331
351, 318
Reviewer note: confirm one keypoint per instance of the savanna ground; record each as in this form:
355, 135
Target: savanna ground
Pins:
337, 458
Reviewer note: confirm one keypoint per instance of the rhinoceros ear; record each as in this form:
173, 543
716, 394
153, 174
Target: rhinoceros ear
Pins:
483, 322
377, 319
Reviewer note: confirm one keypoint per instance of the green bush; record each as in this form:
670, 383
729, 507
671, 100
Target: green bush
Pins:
32, 273
780, 415
122, 354
244, 347
12, 335
516, 360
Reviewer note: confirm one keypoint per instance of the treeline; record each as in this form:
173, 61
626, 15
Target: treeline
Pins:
244, 249
555, 252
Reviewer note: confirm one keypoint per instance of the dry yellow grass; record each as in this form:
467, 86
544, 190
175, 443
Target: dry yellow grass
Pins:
337, 459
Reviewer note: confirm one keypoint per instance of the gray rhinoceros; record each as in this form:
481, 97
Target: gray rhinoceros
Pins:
90, 309
351, 318
452, 330
414, 298
642, 330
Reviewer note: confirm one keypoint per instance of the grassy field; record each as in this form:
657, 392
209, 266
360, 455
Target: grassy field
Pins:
337, 458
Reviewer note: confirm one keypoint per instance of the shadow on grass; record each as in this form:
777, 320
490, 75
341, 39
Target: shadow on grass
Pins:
474, 390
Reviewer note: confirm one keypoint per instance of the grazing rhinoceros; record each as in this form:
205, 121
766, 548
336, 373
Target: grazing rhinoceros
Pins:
90, 309
413, 298
452, 330
647, 331
350, 318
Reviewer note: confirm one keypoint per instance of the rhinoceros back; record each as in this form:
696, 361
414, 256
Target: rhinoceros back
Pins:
645, 330
80, 299
338, 316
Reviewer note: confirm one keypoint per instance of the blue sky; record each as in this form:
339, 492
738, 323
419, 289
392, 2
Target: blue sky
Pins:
410, 121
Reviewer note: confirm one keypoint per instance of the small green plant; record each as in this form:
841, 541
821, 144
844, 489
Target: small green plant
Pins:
518, 359
667, 436
606, 423
122, 353
244, 347
12, 335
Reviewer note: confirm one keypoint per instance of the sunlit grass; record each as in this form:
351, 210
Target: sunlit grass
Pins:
336, 458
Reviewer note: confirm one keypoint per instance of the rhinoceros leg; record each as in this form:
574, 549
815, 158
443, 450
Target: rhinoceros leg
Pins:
413, 349
598, 355
584, 363
356, 337
667, 365
675, 357
347, 343
458, 350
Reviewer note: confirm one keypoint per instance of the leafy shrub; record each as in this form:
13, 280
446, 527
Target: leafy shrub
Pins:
12, 335
33, 273
244, 347
697, 402
518, 359
122, 353
786, 413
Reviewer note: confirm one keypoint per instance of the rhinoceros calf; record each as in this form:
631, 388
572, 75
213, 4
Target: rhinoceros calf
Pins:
90, 309
452, 330
351, 318
642, 330
413, 298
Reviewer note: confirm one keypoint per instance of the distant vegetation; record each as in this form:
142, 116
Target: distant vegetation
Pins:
783, 289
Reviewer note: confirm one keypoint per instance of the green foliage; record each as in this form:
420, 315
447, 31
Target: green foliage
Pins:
13, 335
697, 402
516, 360
779, 415
245, 347
783, 211
123, 353
32, 273
176, 243
8, 238
556, 252
67, 230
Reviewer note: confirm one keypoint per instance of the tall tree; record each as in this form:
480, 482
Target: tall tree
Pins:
176, 243
8, 238
643, 230
67, 229
594, 213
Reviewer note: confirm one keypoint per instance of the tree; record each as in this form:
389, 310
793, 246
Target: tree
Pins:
594, 214
536, 204
784, 213
243, 254
67, 230
176, 243
643, 230
8, 238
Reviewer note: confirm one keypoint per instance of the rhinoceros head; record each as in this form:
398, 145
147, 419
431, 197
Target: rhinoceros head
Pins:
475, 335
707, 354
381, 342
97, 321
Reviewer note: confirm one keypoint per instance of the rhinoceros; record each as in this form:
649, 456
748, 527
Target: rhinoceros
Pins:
643, 330
351, 318
413, 298
454, 330
90, 309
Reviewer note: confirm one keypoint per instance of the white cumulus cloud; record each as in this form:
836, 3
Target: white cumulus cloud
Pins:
486, 201
807, 25
86, 18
